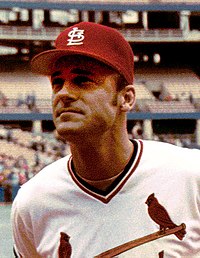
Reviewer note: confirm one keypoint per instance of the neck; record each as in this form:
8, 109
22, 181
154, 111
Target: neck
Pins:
102, 161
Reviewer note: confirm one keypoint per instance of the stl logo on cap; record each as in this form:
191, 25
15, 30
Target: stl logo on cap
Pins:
76, 37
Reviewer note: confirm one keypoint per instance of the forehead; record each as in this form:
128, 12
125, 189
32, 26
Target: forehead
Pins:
82, 62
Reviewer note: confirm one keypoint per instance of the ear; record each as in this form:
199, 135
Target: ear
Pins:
127, 98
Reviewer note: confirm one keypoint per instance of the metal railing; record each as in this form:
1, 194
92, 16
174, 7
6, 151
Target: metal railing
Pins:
49, 34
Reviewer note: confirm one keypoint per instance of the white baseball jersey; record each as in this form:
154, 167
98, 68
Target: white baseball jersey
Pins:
92, 221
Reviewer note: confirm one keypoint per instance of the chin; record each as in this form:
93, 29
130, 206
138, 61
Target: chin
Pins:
66, 131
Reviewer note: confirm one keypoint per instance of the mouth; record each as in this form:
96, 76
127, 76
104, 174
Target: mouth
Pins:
68, 111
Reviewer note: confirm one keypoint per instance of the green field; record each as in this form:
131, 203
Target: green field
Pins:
5, 232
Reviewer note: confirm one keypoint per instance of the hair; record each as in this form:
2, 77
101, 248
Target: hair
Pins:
121, 82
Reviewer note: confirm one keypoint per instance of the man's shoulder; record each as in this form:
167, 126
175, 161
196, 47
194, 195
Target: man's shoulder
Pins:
171, 153
165, 146
44, 180
172, 161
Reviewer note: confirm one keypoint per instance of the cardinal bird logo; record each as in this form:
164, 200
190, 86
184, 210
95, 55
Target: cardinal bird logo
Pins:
65, 249
160, 215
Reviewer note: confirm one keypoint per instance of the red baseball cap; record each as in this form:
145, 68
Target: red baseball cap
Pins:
89, 39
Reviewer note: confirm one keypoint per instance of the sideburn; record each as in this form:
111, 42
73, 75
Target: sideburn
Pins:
114, 100
121, 84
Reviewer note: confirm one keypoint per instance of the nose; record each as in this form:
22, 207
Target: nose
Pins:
68, 93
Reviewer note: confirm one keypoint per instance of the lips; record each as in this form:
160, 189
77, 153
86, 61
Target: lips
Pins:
68, 110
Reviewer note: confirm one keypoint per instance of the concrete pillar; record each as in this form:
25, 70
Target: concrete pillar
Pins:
147, 129
37, 126
37, 18
145, 20
198, 132
184, 22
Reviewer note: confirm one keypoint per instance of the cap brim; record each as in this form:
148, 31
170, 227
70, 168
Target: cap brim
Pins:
44, 63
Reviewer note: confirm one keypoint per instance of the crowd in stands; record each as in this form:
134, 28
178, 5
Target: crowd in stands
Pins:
182, 140
29, 101
22, 155
3, 100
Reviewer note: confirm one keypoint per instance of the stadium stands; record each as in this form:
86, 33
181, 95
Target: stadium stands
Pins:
17, 151
183, 106
184, 90
23, 154
178, 83
178, 90
142, 93
25, 92
19, 84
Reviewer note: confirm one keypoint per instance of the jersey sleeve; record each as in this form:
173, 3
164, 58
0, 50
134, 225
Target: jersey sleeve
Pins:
22, 234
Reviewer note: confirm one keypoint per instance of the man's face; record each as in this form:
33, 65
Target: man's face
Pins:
84, 97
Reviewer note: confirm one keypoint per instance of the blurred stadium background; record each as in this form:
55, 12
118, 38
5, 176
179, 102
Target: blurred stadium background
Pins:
165, 37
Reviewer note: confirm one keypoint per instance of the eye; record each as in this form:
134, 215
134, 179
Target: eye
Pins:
79, 80
57, 84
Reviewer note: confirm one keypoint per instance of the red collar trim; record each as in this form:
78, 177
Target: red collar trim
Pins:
108, 196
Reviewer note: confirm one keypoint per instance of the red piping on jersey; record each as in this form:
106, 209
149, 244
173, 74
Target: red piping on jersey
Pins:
111, 194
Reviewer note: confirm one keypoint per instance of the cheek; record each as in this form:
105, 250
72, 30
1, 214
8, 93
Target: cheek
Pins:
52, 99
53, 104
103, 109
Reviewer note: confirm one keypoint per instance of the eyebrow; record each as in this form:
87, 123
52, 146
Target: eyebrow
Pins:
57, 73
81, 71
78, 71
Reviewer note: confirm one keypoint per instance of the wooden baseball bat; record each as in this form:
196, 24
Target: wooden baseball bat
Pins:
140, 241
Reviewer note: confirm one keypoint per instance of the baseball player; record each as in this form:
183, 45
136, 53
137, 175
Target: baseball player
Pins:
111, 196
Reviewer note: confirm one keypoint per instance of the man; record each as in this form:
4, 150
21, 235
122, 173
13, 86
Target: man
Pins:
94, 200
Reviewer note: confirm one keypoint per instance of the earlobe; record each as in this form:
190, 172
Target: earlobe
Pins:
127, 98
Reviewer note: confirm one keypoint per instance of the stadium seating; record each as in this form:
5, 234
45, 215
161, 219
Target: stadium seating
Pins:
142, 92
16, 84
27, 145
178, 83
183, 106
10, 148
20, 87
184, 90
